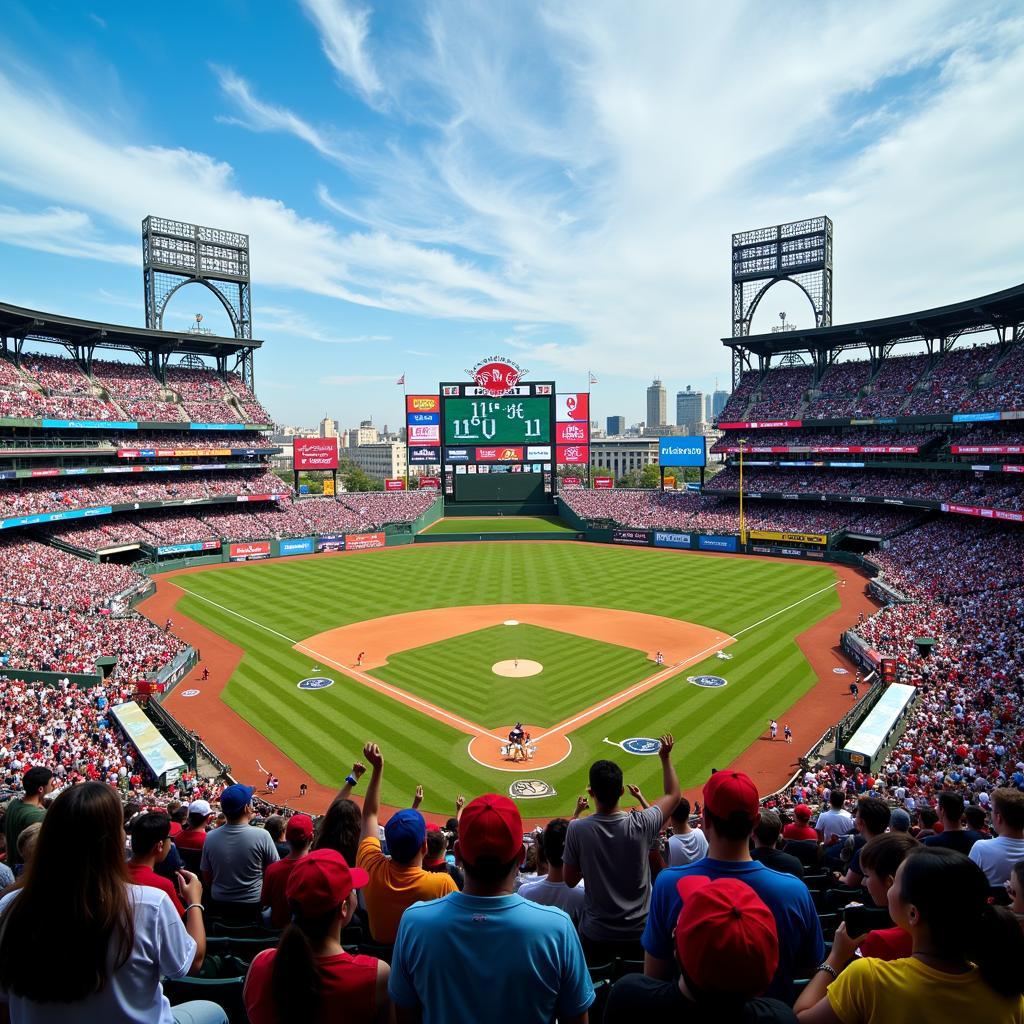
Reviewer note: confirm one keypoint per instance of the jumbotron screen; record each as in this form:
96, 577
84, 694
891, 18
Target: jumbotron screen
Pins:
511, 419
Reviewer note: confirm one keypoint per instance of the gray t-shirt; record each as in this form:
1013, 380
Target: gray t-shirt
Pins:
237, 855
686, 848
611, 851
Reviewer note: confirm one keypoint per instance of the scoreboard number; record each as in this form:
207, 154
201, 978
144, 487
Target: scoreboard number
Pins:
483, 423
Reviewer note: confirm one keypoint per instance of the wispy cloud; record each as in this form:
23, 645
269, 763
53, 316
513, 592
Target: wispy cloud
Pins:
343, 29
284, 320
419, 354
355, 378
62, 231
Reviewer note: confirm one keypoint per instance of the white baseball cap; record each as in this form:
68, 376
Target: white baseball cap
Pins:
200, 807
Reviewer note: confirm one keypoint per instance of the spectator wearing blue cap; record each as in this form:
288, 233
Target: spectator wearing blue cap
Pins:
396, 883
235, 857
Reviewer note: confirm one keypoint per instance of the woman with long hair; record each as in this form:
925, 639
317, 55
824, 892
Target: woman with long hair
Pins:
966, 963
339, 829
79, 942
310, 977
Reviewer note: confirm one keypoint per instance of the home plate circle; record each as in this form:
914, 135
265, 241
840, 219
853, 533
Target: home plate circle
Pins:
517, 668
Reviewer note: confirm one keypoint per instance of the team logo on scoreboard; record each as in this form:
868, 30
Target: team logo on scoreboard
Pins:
708, 681
497, 375
530, 789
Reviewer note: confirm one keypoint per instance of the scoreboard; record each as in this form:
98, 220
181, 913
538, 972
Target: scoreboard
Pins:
497, 448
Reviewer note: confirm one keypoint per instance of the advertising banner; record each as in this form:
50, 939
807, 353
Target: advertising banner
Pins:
180, 549
825, 449
219, 426
672, 540
55, 517
296, 546
604, 483
670, 482
971, 417
985, 513
249, 550
456, 455
252, 497
507, 453
571, 481
329, 488
789, 538
364, 541
713, 543
429, 433
572, 454
573, 408
640, 538
538, 453
92, 424
330, 542
987, 449
420, 418
572, 433
423, 403
315, 453
682, 451
424, 455
430, 483
394, 484
764, 424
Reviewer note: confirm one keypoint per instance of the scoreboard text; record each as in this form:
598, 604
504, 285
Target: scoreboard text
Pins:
497, 421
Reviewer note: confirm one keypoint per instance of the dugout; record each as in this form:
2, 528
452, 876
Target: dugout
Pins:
868, 747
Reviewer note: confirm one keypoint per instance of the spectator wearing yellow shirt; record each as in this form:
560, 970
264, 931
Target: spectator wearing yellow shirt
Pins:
398, 881
965, 965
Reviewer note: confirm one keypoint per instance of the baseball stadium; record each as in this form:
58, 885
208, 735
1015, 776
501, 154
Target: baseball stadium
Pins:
802, 640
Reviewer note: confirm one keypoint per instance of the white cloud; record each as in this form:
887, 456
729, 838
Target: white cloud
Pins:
57, 230
343, 29
285, 320
355, 378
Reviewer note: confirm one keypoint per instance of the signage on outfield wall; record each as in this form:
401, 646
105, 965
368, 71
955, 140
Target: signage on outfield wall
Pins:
421, 418
504, 453
572, 454
330, 542
249, 551
422, 403
425, 455
296, 546
571, 481
672, 540
315, 453
765, 424
430, 483
571, 433
789, 538
429, 433
396, 483
573, 408
364, 541
640, 538
766, 549
711, 542
604, 483
328, 488
682, 451
538, 453
987, 449
180, 549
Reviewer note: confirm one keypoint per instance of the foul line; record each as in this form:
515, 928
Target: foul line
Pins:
478, 730
369, 681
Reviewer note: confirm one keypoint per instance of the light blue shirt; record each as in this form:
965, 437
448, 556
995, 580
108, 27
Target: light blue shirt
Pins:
471, 958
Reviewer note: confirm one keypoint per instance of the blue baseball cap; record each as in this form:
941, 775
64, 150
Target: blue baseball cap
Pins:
405, 833
234, 799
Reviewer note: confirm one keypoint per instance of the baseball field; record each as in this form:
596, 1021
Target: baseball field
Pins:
460, 641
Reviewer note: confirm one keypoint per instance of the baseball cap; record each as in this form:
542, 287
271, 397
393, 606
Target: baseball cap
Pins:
490, 826
802, 811
899, 820
321, 881
728, 792
200, 807
405, 833
234, 799
726, 938
299, 828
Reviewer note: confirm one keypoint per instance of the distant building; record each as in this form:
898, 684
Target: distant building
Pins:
328, 427
365, 433
616, 425
621, 454
689, 409
657, 399
707, 407
380, 459
718, 401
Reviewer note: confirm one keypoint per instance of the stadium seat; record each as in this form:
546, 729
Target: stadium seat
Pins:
242, 949
601, 971
226, 929
623, 967
225, 992
806, 851
602, 989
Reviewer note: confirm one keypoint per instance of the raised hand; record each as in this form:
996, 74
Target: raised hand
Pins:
358, 769
418, 797
372, 754
668, 741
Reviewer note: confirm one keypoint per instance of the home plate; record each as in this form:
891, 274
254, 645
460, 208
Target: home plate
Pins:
511, 622
517, 668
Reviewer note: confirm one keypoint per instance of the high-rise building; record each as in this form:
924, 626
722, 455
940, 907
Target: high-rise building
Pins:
657, 399
365, 433
689, 409
707, 406
328, 427
616, 425
718, 402
381, 459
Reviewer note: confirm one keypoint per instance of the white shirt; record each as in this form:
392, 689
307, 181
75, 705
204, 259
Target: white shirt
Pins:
996, 857
834, 823
132, 994
555, 894
686, 848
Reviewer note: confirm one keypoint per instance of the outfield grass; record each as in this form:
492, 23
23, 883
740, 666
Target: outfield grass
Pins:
456, 674
288, 601
504, 524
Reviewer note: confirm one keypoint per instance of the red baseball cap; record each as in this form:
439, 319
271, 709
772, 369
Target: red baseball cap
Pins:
322, 881
802, 811
299, 828
490, 826
726, 938
728, 792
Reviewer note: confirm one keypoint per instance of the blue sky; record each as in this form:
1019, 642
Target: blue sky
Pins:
427, 184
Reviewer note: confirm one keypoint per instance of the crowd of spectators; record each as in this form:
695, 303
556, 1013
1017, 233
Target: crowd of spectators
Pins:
990, 435
781, 393
249, 403
820, 440
736, 407
949, 385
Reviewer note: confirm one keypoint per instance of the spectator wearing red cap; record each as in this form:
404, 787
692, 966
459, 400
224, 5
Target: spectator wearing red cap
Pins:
400, 881
727, 948
799, 830
485, 952
609, 850
299, 834
731, 810
310, 977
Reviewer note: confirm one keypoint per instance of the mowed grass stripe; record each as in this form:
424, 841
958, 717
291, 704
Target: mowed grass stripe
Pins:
324, 731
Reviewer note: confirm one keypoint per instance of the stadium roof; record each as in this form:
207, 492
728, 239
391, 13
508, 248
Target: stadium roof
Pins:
16, 322
995, 310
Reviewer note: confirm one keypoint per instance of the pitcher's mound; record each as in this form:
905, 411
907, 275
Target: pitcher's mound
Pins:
517, 669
